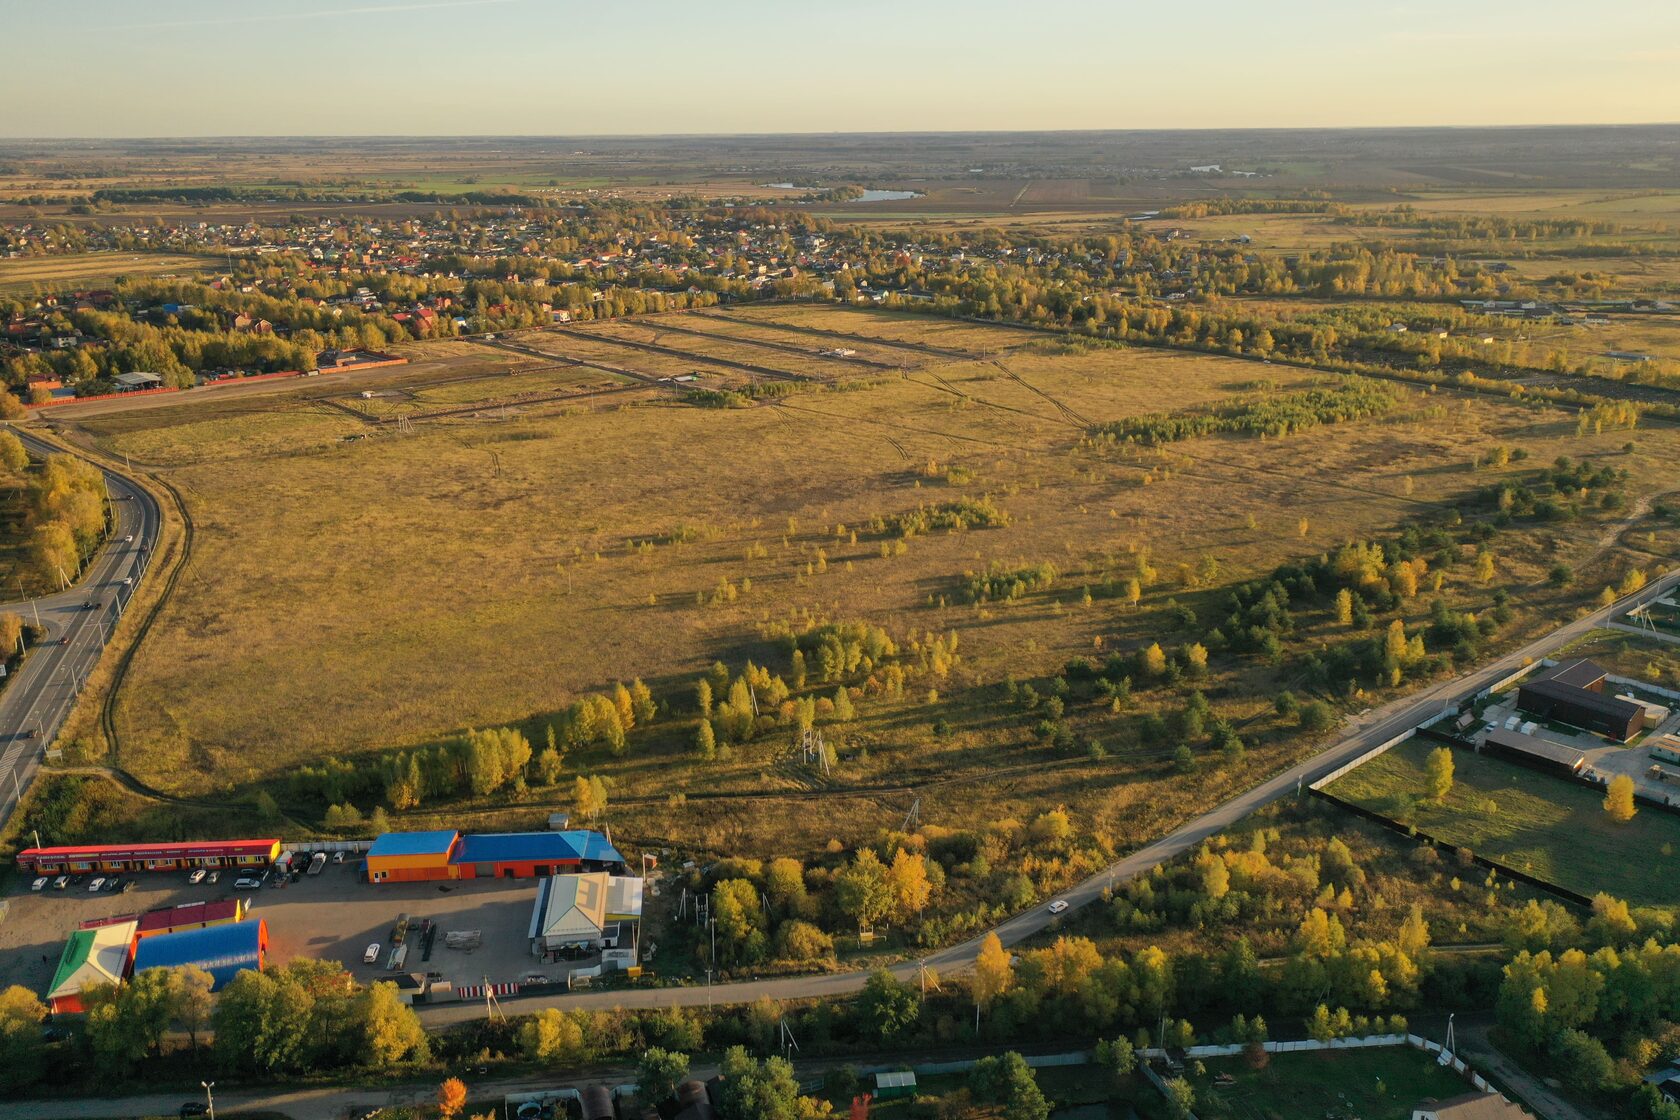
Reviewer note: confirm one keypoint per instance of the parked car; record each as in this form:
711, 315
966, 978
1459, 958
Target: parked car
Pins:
95, 886
128, 885
194, 1108
61, 882
39, 884
338, 857
1058, 906
212, 877
371, 954
114, 884
196, 877
246, 883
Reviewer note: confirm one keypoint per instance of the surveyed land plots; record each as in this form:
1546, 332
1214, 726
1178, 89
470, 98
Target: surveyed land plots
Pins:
360, 595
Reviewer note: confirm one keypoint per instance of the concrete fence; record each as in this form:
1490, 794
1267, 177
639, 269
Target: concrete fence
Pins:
1643, 686
1362, 759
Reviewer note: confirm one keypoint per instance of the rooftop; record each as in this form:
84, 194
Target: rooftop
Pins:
1580, 672
436, 842
536, 847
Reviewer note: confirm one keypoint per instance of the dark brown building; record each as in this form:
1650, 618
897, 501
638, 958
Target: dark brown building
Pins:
1572, 692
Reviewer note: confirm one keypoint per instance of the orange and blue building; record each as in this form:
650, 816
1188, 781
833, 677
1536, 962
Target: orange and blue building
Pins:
409, 857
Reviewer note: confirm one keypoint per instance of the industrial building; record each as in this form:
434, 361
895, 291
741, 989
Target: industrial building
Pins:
587, 912
210, 854
223, 951
1572, 692
91, 957
406, 857
1535, 753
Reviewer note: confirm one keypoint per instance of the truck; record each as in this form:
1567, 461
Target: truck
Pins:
316, 864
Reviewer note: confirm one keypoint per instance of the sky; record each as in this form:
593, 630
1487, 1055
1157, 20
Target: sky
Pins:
116, 68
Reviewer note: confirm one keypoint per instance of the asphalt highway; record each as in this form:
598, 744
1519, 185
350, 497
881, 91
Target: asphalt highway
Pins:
1369, 730
36, 702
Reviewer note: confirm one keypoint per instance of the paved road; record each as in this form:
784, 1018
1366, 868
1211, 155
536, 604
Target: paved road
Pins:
1370, 730
34, 705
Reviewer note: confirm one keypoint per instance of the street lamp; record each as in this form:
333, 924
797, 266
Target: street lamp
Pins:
209, 1098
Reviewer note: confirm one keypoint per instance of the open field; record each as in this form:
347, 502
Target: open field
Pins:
1545, 826
23, 274
1384, 1083
480, 572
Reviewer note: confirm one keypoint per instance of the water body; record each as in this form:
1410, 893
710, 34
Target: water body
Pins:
869, 195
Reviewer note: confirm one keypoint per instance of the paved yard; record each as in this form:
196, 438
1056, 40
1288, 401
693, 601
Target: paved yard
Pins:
335, 915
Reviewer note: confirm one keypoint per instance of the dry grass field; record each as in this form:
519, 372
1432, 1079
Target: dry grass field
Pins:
347, 597
21, 275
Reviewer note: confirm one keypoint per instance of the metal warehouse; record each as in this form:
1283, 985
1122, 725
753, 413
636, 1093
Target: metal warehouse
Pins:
223, 951
149, 857
401, 857
1573, 693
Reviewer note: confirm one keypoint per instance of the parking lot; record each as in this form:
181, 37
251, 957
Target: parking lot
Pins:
335, 915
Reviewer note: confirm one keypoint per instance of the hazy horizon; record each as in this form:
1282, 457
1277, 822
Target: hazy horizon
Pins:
528, 68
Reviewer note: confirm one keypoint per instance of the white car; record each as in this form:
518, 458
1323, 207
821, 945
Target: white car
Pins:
196, 877
372, 953
129, 539
212, 877
61, 882
39, 884
1058, 906
95, 886
246, 883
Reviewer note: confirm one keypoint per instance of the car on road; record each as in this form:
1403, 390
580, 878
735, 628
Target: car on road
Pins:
64, 641
96, 886
40, 884
1059, 906
91, 605
128, 581
61, 882
196, 877
129, 539
246, 883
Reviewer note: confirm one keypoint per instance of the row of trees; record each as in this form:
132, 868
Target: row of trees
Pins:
309, 1015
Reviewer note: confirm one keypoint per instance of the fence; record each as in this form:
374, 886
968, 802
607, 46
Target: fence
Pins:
1412, 833
1308, 1045
105, 396
1362, 759
1643, 686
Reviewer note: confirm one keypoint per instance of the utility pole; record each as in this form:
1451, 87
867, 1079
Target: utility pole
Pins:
209, 1097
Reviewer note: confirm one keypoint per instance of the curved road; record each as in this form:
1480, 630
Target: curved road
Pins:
1369, 730
36, 702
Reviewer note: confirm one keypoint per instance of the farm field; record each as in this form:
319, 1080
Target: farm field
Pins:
1379, 1083
488, 571
1545, 826
21, 274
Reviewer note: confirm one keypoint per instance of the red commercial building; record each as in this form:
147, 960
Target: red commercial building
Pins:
148, 857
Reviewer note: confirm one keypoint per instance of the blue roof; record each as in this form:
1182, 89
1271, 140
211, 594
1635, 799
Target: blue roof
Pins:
436, 842
536, 847
223, 951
